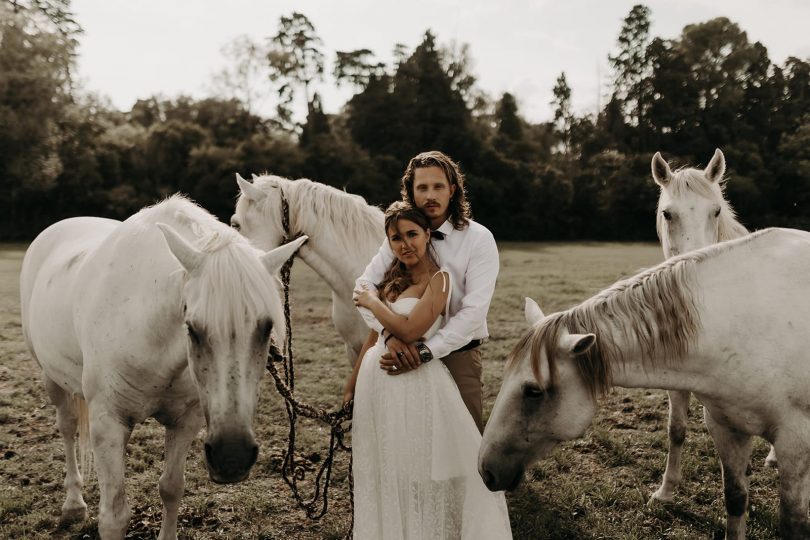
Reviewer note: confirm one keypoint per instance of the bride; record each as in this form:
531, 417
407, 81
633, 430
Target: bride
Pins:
415, 445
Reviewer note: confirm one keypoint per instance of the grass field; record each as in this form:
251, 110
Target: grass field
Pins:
596, 487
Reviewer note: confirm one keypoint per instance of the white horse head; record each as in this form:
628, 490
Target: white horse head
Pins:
258, 214
692, 212
344, 231
230, 309
532, 414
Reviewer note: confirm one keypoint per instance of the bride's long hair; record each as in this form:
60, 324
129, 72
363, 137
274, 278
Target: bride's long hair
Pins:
398, 278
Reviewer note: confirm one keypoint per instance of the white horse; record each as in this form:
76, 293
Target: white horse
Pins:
730, 323
692, 213
166, 315
344, 234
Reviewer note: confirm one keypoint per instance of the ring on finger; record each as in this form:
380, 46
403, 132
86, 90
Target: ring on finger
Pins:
394, 368
400, 354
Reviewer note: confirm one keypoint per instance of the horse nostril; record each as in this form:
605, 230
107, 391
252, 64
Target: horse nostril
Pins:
488, 478
209, 453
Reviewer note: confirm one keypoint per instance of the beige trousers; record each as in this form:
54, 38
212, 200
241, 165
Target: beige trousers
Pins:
465, 367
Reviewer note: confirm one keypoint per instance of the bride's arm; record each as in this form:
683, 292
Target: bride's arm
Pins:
348, 390
413, 326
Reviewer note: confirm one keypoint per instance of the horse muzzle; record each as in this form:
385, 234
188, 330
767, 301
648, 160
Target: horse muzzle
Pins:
229, 458
504, 476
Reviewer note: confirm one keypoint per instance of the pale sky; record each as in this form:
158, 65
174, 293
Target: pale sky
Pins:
134, 49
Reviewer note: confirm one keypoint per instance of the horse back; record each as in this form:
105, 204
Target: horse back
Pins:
48, 284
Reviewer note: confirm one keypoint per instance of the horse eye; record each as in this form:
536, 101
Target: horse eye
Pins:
235, 224
667, 215
265, 328
717, 212
192, 333
531, 391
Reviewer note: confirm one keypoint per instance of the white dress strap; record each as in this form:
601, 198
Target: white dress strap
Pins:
446, 282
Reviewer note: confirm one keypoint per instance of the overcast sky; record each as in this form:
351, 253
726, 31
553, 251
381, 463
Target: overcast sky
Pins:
134, 49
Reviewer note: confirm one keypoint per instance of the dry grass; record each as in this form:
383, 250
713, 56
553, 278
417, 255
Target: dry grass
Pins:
596, 487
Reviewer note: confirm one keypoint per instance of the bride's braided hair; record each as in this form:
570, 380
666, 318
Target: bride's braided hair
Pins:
398, 278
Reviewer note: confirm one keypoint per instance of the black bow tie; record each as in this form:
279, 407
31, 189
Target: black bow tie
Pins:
438, 235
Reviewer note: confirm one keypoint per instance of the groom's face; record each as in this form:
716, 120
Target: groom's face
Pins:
432, 192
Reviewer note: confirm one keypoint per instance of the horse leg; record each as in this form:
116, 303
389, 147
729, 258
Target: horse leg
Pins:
794, 484
771, 461
178, 440
109, 438
734, 449
74, 508
678, 414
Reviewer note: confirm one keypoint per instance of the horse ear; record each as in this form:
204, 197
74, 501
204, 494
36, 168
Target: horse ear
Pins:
275, 259
532, 312
249, 190
188, 255
577, 344
660, 170
717, 167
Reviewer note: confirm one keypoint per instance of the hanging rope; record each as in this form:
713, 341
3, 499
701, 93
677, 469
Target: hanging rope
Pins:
317, 506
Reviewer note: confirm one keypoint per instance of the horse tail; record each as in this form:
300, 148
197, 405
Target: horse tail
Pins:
85, 451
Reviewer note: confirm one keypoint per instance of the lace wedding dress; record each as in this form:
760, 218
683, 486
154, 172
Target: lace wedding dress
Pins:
415, 451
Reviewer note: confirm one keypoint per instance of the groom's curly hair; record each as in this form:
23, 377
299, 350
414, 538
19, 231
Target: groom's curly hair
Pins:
459, 207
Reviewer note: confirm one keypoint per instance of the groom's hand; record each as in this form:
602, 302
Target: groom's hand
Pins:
400, 357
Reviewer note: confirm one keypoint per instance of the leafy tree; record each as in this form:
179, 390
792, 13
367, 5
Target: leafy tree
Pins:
168, 149
630, 64
47, 15
246, 75
357, 68
563, 117
296, 62
35, 66
508, 124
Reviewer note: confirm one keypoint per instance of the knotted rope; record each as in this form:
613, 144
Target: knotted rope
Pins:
317, 506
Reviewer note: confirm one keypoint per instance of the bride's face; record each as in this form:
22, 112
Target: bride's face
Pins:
408, 241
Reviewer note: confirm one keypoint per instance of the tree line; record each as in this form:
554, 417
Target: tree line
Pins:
64, 152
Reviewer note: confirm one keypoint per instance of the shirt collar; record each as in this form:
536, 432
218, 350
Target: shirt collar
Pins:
446, 227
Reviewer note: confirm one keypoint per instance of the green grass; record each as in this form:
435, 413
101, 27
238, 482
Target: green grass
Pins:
595, 487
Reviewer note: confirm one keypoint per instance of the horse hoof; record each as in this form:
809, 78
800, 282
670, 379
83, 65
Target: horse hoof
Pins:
660, 497
72, 515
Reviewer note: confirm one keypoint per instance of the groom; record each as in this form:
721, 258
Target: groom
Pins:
434, 183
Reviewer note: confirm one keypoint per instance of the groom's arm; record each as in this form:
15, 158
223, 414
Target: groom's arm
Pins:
482, 272
373, 274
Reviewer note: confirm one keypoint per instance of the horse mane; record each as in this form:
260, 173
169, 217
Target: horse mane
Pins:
232, 283
690, 179
353, 223
659, 308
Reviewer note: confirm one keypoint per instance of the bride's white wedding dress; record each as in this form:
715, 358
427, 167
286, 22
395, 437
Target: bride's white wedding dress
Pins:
415, 453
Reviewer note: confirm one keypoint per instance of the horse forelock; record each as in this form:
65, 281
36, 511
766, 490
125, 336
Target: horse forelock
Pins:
234, 288
688, 180
314, 207
232, 284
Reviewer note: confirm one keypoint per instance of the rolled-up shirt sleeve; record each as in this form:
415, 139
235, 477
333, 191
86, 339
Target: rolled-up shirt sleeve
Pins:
482, 272
373, 274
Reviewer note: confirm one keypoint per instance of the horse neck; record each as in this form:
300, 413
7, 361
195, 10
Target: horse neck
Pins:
729, 229
338, 271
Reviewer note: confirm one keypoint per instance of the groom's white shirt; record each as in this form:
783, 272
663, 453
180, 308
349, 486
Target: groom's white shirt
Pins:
471, 257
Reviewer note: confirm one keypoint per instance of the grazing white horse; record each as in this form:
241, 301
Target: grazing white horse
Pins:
344, 234
165, 315
692, 213
730, 323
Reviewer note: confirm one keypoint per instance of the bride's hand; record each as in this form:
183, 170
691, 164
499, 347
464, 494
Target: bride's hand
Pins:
363, 297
